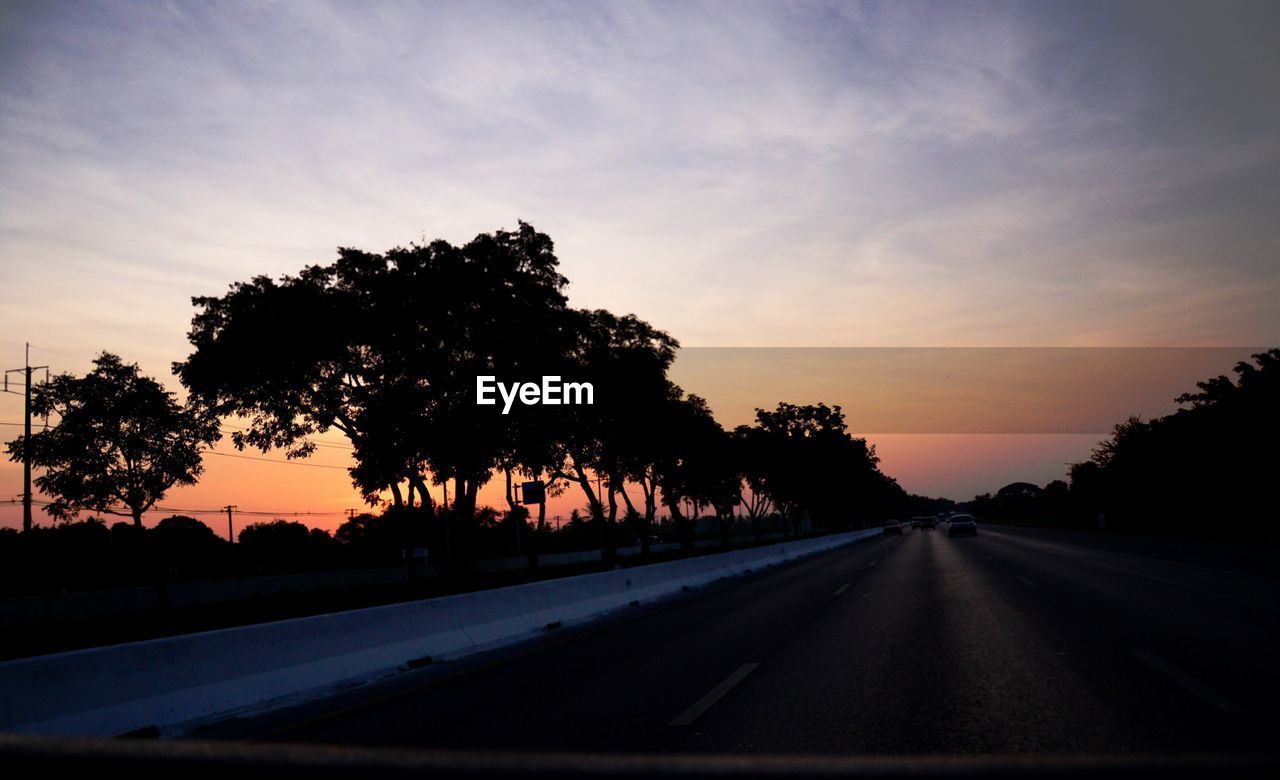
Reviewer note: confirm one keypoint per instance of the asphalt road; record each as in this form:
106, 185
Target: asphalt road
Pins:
1015, 641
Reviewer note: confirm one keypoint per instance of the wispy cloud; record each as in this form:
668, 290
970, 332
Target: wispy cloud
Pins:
740, 173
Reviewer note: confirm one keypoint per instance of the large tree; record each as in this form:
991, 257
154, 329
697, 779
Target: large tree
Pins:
120, 443
692, 475
385, 348
813, 467
626, 361
751, 448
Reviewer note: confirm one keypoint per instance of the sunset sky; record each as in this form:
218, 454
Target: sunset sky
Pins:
956, 174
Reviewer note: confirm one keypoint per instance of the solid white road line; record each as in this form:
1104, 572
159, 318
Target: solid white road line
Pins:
840, 590
1189, 683
716, 694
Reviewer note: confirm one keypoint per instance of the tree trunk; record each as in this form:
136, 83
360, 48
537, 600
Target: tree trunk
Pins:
684, 526
423, 493
609, 540
515, 513
511, 503
593, 501
626, 499
650, 509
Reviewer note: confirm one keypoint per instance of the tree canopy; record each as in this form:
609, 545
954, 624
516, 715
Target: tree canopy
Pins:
120, 443
387, 348
1199, 470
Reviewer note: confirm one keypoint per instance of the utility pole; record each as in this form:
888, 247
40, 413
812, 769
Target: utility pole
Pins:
231, 539
26, 428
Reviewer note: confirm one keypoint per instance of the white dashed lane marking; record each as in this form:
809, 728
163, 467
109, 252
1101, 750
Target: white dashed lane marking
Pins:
714, 695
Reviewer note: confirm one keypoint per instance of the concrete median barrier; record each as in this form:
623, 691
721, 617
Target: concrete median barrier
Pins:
176, 682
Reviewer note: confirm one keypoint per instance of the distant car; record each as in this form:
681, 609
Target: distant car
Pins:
962, 525
915, 523
928, 523
892, 527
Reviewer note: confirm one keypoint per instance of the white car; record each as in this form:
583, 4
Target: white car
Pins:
962, 525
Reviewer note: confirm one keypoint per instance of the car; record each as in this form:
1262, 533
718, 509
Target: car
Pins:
893, 527
915, 522
962, 525
928, 523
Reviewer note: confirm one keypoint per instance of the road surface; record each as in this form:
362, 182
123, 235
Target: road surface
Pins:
1015, 641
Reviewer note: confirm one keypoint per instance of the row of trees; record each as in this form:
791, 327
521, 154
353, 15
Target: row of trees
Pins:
1053, 504
386, 348
1203, 470
1206, 468
86, 554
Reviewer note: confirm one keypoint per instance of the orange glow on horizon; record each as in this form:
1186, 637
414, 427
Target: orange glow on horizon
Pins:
946, 422
953, 465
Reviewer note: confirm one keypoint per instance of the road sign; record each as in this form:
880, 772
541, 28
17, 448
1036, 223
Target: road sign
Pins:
533, 493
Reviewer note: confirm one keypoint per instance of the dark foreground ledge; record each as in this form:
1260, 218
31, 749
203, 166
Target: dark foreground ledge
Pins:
24, 756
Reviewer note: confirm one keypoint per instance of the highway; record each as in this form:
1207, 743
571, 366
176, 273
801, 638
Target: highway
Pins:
1017, 641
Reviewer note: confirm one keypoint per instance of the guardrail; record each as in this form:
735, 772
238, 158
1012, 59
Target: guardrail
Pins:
178, 682
53, 608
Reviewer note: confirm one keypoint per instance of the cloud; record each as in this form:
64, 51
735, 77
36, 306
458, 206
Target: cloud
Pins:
737, 173
943, 173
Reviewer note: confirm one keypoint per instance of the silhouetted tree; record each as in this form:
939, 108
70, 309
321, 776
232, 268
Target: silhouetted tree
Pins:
180, 531
282, 533
386, 349
121, 440
816, 468
1203, 469
1024, 502
1085, 492
751, 448
626, 361
689, 476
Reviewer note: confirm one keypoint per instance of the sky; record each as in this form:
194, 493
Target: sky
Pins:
959, 174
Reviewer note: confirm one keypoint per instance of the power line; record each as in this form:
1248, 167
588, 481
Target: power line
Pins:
275, 460
331, 445
251, 457
334, 444
211, 511
58, 352
254, 512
